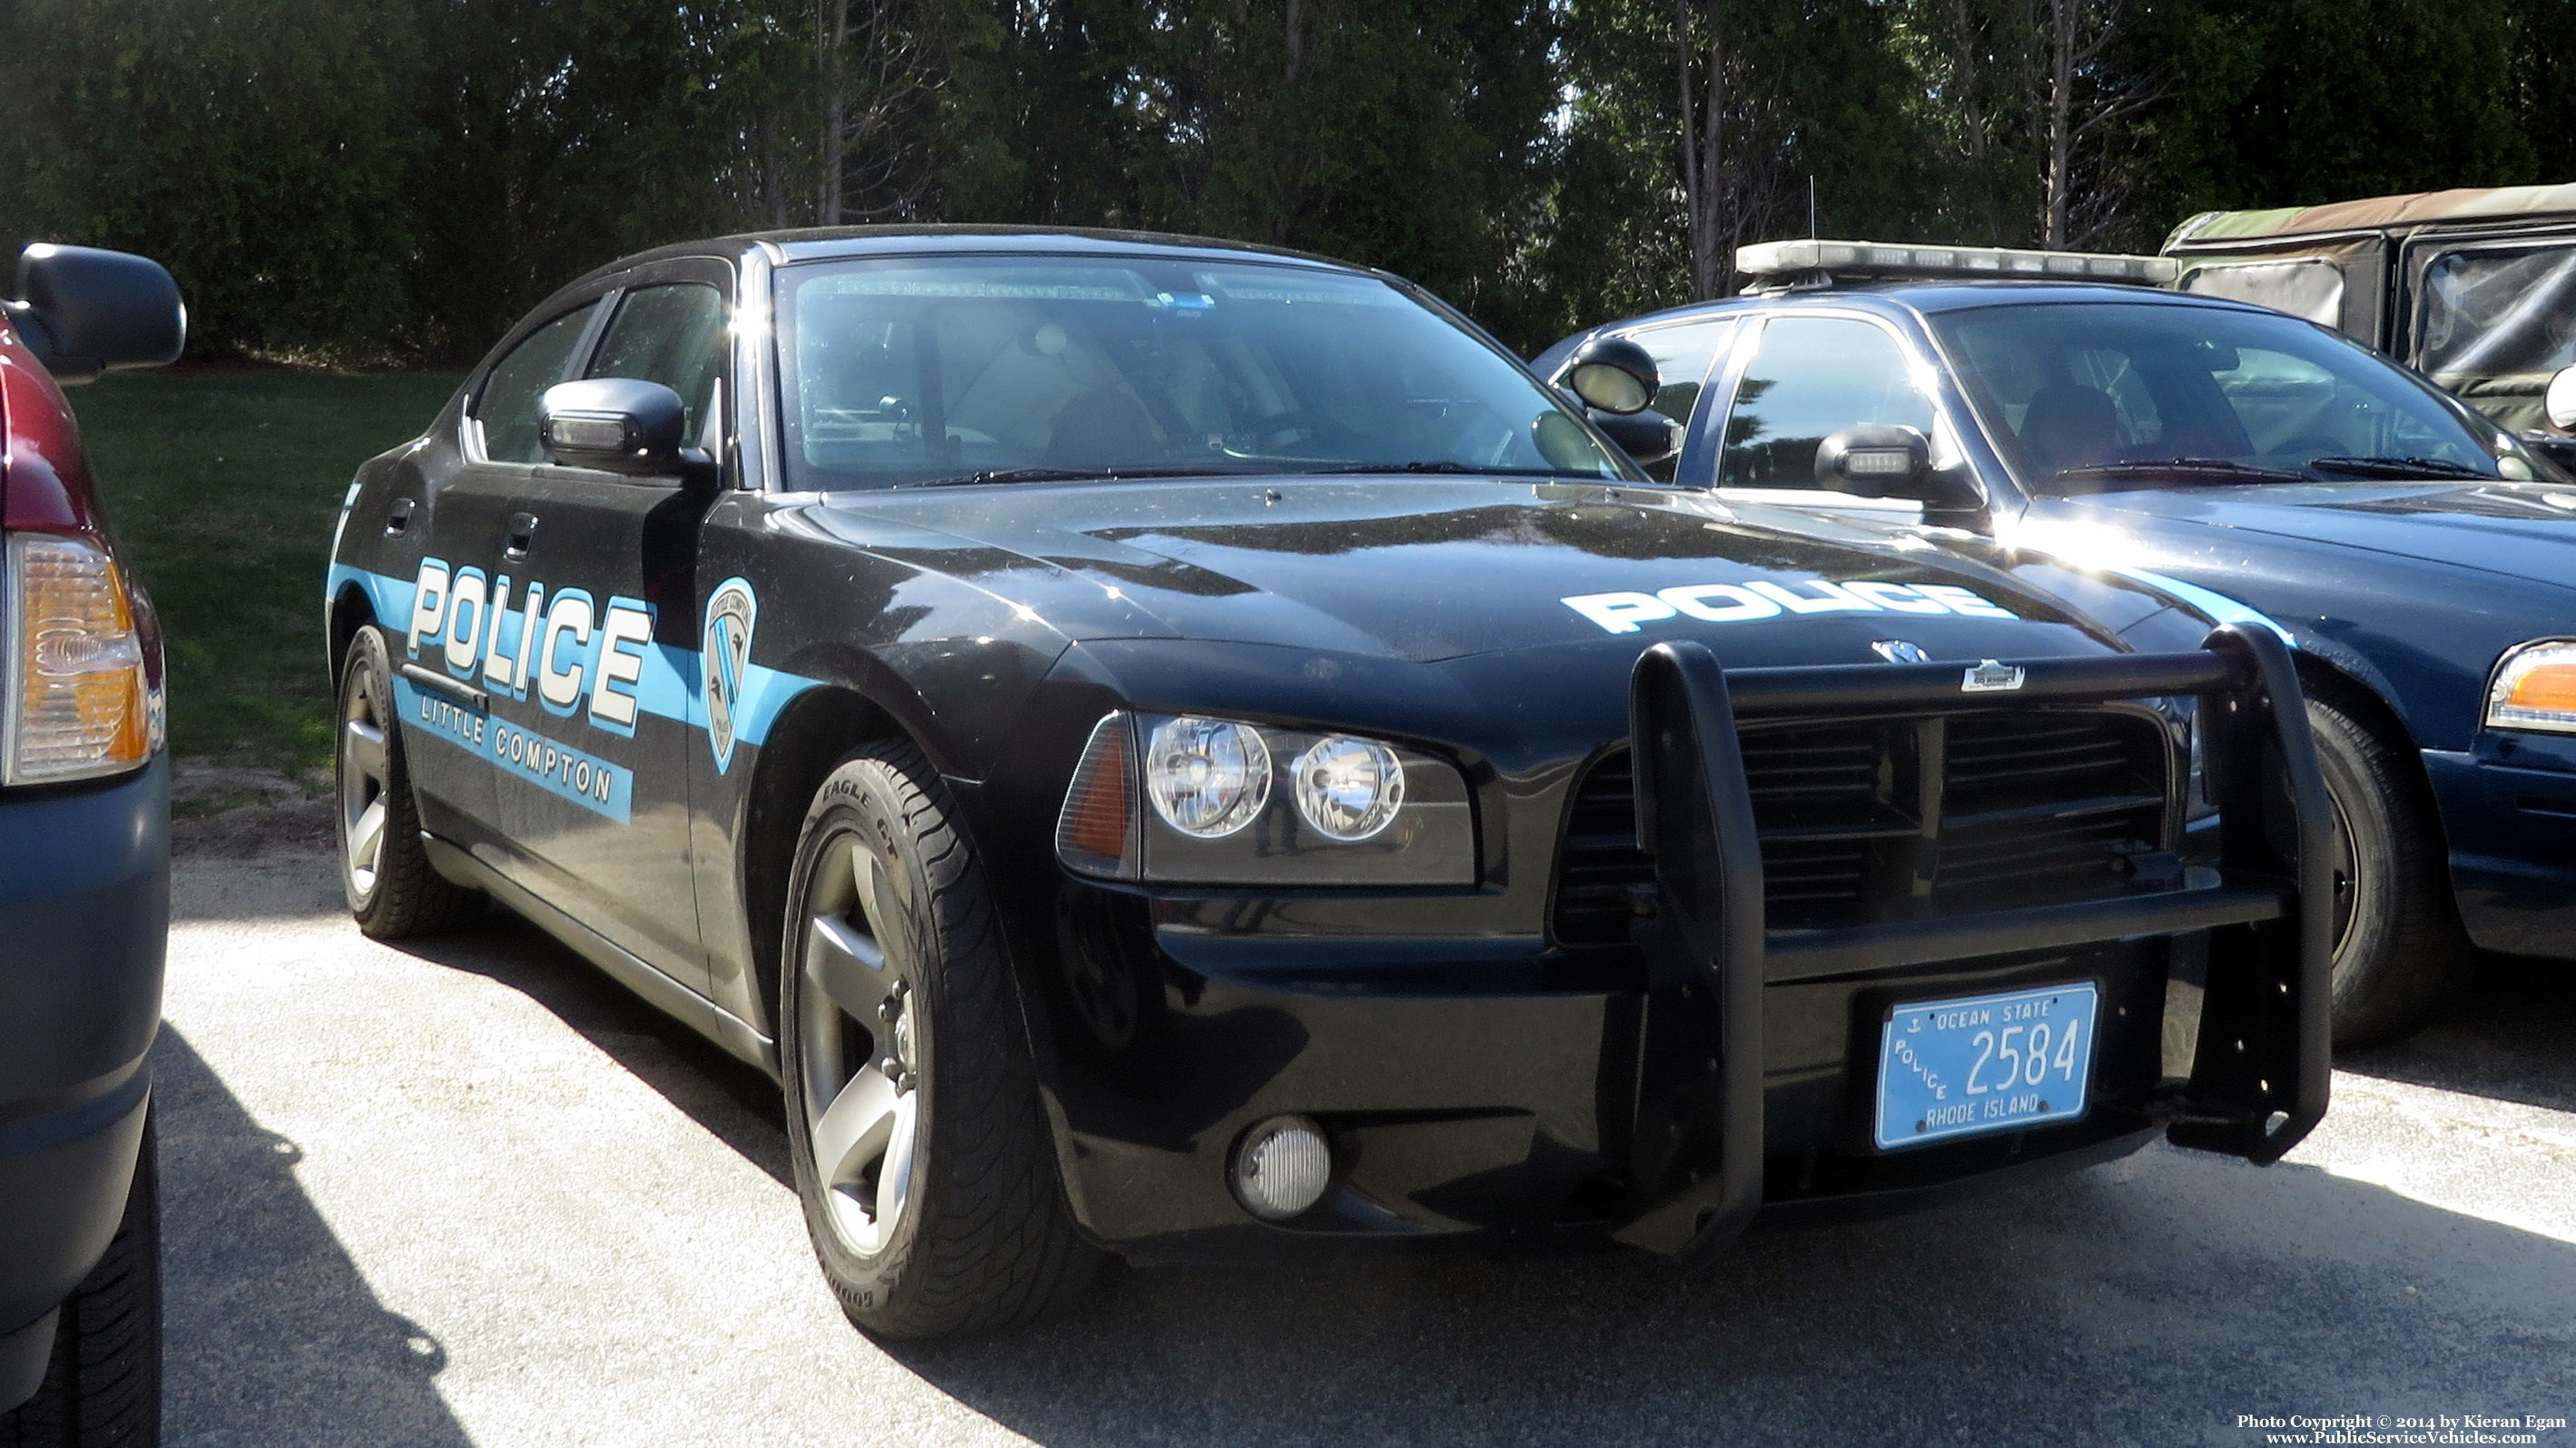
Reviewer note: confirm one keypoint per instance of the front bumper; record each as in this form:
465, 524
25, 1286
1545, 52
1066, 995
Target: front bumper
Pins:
2510, 814
84, 915
1466, 1094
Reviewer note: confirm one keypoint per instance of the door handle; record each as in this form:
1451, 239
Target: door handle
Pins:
523, 531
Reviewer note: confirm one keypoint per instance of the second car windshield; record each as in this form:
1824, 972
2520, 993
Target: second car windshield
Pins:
917, 370
2083, 396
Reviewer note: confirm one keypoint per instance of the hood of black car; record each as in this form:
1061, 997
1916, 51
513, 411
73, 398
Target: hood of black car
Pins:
1427, 569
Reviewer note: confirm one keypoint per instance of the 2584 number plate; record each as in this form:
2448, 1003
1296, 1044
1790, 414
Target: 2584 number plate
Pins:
1953, 1068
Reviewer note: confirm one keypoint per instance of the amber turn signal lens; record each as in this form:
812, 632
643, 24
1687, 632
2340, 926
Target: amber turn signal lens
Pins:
79, 701
2535, 688
1097, 832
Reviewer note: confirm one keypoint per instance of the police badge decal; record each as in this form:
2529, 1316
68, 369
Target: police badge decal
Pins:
731, 611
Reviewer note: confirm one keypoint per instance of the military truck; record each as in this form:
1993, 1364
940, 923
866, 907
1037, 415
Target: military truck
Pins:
2475, 287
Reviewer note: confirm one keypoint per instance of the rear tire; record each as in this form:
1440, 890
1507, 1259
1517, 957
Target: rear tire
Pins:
103, 1387
922, 1156
384, 869
2400, 952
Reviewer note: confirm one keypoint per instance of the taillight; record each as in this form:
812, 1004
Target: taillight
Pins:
80, 700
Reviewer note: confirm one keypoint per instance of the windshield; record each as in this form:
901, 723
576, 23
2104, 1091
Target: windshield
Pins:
916, 370
2083, 396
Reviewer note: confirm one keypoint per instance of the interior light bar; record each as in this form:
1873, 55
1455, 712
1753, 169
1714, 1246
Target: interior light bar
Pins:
1874, 258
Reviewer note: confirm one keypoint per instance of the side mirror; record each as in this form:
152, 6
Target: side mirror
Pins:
1875, 460
1647, 438
84, 310
2561, 401
618, 425
1613, 375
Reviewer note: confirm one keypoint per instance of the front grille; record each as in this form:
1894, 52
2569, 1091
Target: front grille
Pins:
2027, 808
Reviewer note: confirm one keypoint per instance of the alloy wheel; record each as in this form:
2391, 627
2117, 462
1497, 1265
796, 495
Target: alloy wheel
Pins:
364, 769
861, 1037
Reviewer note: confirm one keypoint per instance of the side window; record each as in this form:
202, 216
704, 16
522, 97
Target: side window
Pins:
673, 335
506, 408
1683, 354
2496, 325
1813, 377
2309, 287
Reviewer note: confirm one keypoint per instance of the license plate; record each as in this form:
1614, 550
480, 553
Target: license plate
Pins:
1975, 1064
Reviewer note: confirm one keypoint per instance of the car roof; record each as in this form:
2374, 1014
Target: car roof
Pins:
1921, 298
819, 242
2467, 203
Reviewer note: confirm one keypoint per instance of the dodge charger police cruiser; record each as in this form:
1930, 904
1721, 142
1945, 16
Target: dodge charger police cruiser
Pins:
1177, 749
2051, 405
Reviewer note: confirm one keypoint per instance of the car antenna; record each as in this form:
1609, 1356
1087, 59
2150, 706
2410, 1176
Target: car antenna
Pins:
1811, 208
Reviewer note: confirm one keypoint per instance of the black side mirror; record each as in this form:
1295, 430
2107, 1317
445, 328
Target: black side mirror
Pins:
619, 425
1875, 460
1647, 438
1613, 375
84, 310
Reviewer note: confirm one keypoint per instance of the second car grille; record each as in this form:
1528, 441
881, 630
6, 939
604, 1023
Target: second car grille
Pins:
2024, 809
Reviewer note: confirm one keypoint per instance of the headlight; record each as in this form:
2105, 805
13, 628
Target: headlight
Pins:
1207, 777
2535, 688
1349, 789
1350, 811
80, 701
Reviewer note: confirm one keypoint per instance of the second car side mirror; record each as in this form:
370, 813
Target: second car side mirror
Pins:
1646, 437
1875, 460
1613, 375
619, 425
86, 310
2561, 401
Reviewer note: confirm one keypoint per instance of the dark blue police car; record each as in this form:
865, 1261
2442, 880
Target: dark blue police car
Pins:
2420, 560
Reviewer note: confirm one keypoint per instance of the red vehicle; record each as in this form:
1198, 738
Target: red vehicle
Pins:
84, 875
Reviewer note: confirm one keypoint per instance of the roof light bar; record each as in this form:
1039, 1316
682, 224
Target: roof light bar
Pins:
1872, 258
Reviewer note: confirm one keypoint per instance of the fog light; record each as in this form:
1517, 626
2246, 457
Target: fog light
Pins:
1282, 1167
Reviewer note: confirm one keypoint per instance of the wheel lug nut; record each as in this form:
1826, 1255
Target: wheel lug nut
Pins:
887, 1010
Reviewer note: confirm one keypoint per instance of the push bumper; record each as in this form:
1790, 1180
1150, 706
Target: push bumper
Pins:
1466, 1094
2262, 1067
84, 912
2511, 819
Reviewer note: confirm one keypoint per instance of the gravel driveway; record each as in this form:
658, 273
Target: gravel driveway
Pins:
475, 1193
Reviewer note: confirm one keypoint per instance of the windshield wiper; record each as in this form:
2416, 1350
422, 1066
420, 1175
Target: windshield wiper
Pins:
2399, 468
1066, 475
2213, 469
1435, 465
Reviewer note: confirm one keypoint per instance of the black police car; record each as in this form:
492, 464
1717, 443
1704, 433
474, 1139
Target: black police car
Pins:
1146, 740
2421, 561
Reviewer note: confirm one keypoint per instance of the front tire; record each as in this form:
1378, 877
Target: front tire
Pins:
103, 1386
921, 1154
2400, 951
384, 869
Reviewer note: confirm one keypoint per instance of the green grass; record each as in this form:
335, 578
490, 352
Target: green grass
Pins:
222, 487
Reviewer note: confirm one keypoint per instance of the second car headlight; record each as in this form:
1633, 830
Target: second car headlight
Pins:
1188, 798
2535, 688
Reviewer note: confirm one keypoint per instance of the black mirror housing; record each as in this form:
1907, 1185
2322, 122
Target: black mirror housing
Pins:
1612, 375
1875, 460
1647, 438
83, 310
618, 425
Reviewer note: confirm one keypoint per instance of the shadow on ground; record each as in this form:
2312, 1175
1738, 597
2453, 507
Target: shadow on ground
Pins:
271, 1331
2511, 1036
